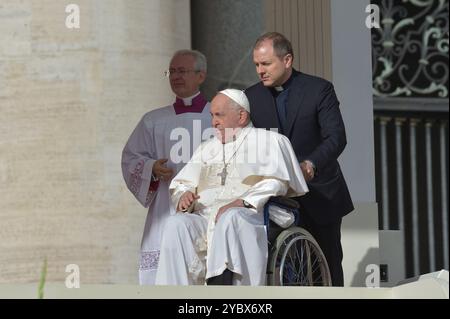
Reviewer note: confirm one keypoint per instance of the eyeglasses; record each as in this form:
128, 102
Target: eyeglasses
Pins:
180, 72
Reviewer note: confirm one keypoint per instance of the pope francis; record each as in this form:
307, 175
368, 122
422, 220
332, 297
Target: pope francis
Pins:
217, 235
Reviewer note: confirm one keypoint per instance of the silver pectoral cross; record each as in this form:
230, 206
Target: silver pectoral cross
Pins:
223, 175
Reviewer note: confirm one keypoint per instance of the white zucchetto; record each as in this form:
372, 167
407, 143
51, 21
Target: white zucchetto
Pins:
237, 96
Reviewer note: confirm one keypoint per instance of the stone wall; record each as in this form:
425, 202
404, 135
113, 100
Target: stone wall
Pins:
69, 99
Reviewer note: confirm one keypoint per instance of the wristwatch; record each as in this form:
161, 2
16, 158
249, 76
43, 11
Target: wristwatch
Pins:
247, 204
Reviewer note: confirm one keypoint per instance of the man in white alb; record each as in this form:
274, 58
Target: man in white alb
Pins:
148, 161
217, 234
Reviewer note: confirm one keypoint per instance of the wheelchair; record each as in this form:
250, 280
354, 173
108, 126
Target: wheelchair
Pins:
295, 257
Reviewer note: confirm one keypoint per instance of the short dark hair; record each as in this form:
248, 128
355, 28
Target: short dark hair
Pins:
281, 45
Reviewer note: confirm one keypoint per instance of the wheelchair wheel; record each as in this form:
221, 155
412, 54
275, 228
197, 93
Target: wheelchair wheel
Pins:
297, 260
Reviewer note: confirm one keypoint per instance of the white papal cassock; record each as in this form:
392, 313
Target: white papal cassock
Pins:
159, 133
259, 164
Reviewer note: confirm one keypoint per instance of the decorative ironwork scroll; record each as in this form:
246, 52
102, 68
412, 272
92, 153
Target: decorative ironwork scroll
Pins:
410, 49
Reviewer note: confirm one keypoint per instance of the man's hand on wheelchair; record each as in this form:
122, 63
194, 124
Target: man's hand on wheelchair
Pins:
186, 200
308, 170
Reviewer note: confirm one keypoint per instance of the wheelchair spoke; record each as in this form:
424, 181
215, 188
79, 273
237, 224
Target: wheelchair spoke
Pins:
303, 270
298, 264
300, 257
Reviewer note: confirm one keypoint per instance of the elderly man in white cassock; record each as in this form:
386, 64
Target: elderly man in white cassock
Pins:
218, 236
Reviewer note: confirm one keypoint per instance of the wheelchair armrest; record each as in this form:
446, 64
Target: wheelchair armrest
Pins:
285, 201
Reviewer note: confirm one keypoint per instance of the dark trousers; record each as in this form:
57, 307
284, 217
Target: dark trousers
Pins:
329, 239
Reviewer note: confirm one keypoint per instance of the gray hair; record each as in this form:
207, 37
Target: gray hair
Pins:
237, 107
200, 59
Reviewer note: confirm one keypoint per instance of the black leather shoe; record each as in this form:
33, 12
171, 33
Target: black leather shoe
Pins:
225, 279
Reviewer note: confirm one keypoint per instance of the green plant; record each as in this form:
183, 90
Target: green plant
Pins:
42, 280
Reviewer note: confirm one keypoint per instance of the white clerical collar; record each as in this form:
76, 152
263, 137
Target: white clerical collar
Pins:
244, 129
240, 133
279, 89
188, 100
